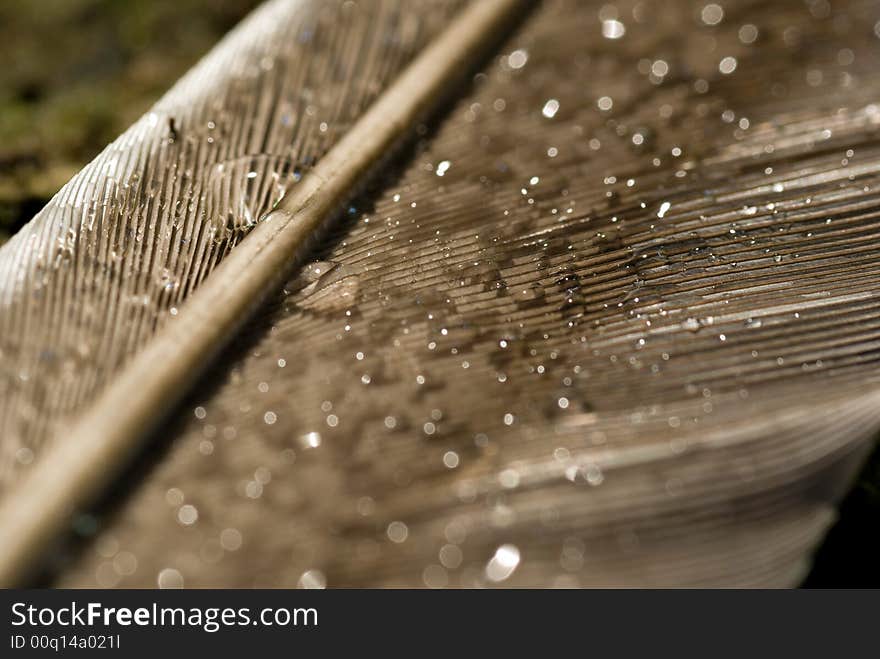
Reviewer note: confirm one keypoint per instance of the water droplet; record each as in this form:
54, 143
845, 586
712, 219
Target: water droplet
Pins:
397, 532
748, 33
712, 14
230, 539
312, 580
659, 68
169, 578
613, 29
450, 556
187, 515
518, 58
551, 107
503, 563
509, 478
727, 65
310, 440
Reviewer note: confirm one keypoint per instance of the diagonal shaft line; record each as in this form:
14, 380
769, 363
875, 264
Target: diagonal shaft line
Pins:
102, 441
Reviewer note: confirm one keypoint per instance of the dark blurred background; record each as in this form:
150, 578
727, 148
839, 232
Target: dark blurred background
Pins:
77, 72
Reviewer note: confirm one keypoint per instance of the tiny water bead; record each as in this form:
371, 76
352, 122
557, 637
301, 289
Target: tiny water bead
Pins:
451, 556
712, 14
310, 440
613, 29
503, 564
24, 455
727, 65
312, 580
435, 576
188, 515
748, 33
231, 539
518, 58
551, 107
509, 478
170, 578
659, 68
397, 532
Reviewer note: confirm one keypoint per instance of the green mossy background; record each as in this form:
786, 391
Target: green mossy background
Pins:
78, 72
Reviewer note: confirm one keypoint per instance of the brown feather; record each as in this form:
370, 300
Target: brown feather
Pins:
632, 346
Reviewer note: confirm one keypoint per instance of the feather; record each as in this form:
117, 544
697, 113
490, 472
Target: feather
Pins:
612, 324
